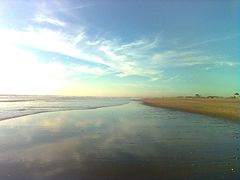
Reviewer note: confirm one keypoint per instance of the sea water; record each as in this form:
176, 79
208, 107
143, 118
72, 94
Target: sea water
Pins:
20, 105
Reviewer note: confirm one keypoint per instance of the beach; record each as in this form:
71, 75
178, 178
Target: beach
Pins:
130, 141
227, 108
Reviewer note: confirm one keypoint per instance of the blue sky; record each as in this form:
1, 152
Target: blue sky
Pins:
120, 48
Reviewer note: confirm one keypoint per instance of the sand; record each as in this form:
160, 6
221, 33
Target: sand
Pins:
216, 107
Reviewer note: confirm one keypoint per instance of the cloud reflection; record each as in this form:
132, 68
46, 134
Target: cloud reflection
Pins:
112, 140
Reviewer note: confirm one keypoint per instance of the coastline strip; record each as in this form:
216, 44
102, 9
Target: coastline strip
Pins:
216, 107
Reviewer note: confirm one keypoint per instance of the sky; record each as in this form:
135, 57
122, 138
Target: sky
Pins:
120, 48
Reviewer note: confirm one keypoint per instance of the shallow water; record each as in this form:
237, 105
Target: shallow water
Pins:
127, 141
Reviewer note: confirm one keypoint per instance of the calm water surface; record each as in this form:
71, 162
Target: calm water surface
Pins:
130, 141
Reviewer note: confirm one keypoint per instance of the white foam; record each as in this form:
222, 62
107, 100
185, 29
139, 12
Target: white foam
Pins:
18, 105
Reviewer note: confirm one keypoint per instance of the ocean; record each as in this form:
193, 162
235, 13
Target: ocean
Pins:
20, 105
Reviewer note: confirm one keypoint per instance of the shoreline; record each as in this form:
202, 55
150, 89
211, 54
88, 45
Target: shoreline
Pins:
61, 110
217, 107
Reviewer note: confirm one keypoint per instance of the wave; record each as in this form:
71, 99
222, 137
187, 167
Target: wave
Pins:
22, 105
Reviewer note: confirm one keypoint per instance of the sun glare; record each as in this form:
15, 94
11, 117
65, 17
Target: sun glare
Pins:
21, 72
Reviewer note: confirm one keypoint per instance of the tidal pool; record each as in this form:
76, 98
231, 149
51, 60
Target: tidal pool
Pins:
130, 141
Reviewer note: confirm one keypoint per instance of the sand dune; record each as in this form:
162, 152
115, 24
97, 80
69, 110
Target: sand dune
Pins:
216, 107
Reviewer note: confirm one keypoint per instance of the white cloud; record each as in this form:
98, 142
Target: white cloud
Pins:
90, 70
130, 58
121, 59
48, 40
136, 58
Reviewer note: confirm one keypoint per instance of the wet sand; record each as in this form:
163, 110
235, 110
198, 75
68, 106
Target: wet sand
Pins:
132, 141
215, 107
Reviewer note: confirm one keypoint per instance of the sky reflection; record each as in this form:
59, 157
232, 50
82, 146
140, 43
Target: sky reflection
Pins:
129, 140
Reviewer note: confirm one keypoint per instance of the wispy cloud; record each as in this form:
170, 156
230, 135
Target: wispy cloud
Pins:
130, 58
142, 57
188, 58
66, 8
50, 41
212, 40
45, 19
118, 58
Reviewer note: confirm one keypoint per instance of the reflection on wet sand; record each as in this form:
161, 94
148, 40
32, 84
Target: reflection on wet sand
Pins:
125, 141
